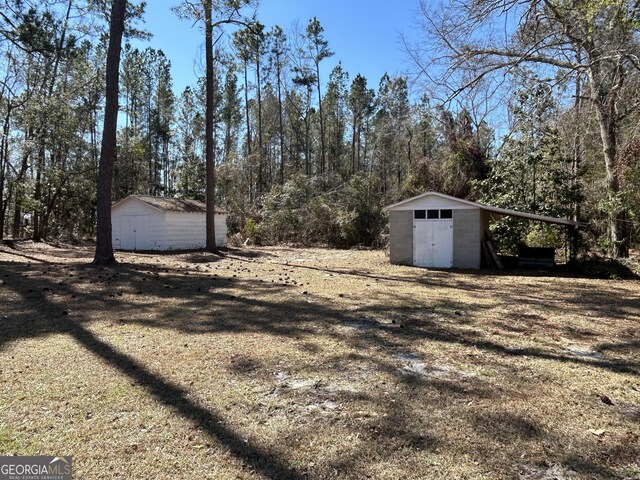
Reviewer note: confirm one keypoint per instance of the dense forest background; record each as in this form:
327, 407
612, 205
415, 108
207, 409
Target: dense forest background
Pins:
312, 160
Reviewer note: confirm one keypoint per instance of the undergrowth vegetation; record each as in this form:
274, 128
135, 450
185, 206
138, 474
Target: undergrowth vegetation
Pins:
347, 216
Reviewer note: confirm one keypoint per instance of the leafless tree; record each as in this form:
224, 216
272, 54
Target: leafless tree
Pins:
469, 42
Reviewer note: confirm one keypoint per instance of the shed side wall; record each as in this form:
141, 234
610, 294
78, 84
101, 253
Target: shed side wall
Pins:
188, 230
221, 230
467, 228
401, 237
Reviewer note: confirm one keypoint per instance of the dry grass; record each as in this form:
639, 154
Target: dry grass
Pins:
289, 363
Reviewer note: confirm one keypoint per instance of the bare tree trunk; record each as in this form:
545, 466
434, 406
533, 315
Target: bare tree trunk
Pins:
104, 246
38, 191
209, 140
261, 153
150, 181
577, 144
227, 141
281, 127
409, 152
366, 143
617, 217
246, 110
322, 149
248, 123
358, 135
4, 163
352, 167
19, 192
16, 230
307, 151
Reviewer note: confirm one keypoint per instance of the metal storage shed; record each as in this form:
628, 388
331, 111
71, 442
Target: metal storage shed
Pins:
439, 231
141, 222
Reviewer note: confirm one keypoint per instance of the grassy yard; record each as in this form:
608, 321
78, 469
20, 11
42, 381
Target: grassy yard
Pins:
309, 363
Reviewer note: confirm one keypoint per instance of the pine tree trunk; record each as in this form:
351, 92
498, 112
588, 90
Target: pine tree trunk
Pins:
246, 110
307, 150
248, 123
104, 247
281, 127
16, 230
149, 149
38, 192
227, 140
209, 140
261, 182
358, 135
322, 150
366, 144
4, 163
352, 170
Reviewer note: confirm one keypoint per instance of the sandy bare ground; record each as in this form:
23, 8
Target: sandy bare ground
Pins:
311, 363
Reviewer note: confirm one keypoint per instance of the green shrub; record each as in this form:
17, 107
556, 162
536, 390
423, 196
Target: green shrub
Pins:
253, 231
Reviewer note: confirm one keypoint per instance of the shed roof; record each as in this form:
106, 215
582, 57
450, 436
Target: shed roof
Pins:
171, 204
488, 208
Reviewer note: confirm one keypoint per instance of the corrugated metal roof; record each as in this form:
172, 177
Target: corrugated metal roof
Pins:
172, 204
489, 208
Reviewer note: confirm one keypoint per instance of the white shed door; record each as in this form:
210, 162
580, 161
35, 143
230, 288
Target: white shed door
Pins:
433, 243
136, 234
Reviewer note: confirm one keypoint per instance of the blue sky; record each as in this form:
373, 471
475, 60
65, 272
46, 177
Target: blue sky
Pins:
364, 34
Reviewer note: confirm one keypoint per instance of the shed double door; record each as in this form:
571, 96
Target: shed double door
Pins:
433, 243
136, 232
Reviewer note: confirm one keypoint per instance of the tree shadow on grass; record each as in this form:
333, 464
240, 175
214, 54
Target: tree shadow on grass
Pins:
164, 391
208, 295
44, 317
176, 398
203, 256
42, 314
16, 253
632, 346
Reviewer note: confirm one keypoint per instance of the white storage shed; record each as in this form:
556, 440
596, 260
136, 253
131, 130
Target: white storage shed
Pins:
142, 222
439, 231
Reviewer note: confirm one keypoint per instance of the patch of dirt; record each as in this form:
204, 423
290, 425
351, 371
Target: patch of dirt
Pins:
584, 352
413, 365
